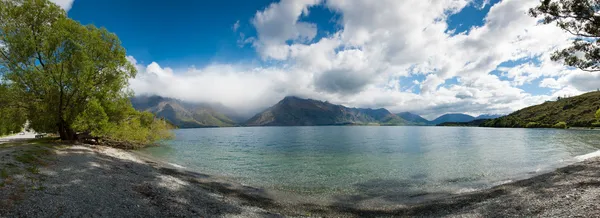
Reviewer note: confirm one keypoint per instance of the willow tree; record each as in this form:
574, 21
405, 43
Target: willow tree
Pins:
581, 18
62, 73
12, 119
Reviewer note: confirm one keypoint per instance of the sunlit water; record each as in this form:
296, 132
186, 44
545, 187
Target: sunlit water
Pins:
395, 162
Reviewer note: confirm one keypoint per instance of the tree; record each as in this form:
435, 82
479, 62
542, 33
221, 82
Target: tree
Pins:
67, 77
581, 19
12, 119
598, 115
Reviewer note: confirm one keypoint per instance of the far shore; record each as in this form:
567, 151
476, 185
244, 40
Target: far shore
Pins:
49, 179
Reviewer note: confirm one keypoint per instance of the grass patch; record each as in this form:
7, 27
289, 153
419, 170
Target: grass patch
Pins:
33, 169
4, 173
27, 158
7, 145
22, 169
34, 156
5, 178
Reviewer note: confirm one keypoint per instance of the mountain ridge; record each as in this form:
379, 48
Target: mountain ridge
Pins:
452, 118
295, 111
183, 114
414, 119
290, 111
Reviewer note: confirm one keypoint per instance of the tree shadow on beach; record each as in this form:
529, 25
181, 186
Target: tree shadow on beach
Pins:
82, 182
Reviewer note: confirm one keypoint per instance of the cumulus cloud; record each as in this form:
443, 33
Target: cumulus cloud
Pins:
279, 23
377, 46
64, 4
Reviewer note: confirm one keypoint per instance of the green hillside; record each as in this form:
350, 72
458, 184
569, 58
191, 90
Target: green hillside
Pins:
578, 111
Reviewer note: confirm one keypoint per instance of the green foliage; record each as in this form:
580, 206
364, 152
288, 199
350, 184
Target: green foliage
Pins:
93, 119
57, 65
577, 17
532, 125
578, 111
12, 119
598, 115
137, 130
65, 77
560, 125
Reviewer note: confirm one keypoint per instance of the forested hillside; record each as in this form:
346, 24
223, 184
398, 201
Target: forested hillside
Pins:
578, 111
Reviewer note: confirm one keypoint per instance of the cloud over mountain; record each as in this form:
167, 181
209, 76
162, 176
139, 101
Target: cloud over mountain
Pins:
401, 55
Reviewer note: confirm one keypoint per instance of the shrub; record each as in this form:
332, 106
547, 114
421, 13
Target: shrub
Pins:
138, 130
560, 125
532, 125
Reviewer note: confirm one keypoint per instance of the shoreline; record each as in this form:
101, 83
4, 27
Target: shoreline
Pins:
142, 182
455, 204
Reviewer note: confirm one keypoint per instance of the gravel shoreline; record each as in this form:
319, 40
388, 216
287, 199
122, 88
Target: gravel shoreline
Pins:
97, 181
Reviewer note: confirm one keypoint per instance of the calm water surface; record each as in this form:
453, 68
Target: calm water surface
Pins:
403, 162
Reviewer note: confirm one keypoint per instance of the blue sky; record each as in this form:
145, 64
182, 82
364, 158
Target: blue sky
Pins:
181, 33
188, 32
472, 56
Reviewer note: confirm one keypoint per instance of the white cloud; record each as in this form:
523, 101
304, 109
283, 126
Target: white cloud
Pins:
279, 23
236, 26
245, 88
64, 4
378, 44
550, 83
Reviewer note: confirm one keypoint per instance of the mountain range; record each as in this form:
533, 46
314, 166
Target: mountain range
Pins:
184, 114
414, 119
294, 111
290, 111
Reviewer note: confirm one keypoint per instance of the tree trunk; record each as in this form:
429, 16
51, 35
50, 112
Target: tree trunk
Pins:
61, 131
65, 132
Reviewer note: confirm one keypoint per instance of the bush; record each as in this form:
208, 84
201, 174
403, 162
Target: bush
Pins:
140, 129
560, 125
596, 124
532, 125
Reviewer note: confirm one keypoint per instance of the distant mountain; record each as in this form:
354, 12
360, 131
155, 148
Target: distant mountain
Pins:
294, 111
488, 116
453, 118
184, 114
578, 111
477, 122
413, 119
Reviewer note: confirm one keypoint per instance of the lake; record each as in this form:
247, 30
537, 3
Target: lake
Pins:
399, 164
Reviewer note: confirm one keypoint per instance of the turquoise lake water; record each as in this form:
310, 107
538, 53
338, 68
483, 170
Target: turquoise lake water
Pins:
399, 163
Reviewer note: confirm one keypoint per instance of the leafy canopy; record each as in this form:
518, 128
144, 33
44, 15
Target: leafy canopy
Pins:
11, 118
67, 77
582, 20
